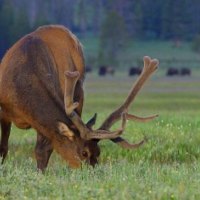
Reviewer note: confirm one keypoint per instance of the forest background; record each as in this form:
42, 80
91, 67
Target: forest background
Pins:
115, 24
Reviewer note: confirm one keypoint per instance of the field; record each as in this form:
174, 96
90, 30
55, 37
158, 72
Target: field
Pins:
168, 55
166, 167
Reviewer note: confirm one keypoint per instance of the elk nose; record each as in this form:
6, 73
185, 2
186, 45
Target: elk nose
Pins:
92, 161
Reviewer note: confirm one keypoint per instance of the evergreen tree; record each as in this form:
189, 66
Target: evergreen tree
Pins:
196, 44
97, 16
175, 19
151, 18
134, 18
6, 24
112, 39
20, 26
82, 17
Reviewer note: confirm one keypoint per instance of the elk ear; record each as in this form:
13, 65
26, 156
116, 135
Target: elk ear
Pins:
64, 130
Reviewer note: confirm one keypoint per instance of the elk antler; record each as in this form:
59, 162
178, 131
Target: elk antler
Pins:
85, 132
150, 66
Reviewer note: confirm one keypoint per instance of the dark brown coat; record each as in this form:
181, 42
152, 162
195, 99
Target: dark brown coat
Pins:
32, 88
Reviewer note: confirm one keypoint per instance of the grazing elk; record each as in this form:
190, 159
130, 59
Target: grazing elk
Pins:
102, 71
135, 71
41, 79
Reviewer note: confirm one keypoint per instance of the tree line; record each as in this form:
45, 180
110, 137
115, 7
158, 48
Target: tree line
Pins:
118, 20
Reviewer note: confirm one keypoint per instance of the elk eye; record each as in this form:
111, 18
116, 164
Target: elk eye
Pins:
85, 154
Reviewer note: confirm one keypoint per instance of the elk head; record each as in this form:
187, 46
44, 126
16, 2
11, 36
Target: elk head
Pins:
88, 141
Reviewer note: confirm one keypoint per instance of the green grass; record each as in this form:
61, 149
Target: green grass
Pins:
167, 167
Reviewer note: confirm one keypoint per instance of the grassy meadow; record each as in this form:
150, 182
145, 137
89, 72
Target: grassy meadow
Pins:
166, 167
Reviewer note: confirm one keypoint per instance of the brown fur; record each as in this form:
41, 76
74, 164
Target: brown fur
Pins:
31, 94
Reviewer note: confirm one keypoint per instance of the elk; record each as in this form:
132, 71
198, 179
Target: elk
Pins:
41, 79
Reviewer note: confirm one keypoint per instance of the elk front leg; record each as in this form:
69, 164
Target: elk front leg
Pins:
43, 151
5, 133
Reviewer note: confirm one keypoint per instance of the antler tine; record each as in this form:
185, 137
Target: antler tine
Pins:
126, 145
70, 106
150, 65
102, 133
70, 82
140, 119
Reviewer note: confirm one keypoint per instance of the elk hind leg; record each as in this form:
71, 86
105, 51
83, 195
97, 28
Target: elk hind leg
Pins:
5, 133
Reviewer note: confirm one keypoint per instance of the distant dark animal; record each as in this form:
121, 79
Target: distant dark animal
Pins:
172, 71
135, 71
88, 69
41, 79
103, 70
185, 71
